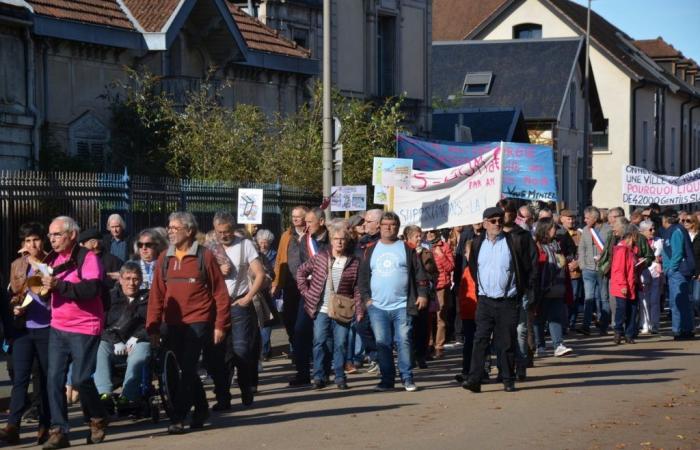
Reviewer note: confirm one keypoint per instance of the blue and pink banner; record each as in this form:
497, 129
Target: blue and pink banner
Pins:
528, 169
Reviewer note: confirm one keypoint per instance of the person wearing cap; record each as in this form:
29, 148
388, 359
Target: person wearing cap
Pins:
498, 265
91, 239
679, 267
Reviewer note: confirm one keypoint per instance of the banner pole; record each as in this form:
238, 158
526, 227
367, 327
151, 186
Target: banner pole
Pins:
391, 199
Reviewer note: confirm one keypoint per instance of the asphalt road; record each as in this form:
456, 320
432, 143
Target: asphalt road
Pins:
641, 396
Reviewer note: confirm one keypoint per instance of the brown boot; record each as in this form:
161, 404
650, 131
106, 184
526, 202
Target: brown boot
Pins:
97, 430
10, 434
42, 435
56, 440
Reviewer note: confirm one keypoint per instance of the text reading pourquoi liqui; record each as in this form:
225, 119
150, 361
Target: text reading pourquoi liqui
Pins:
642, 187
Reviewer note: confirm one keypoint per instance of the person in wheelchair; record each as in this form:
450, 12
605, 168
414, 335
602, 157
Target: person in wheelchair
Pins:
124, 339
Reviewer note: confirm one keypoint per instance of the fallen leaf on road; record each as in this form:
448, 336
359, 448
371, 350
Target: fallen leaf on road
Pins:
680, 436
667, 417
645, 444
621, 446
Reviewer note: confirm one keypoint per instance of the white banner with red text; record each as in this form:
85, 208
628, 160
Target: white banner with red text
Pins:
451, 197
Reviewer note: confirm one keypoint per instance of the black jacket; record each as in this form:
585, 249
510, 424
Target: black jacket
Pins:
364, 243
323, 244
418, 282
107, 245
123, 319
521, 251
696, 253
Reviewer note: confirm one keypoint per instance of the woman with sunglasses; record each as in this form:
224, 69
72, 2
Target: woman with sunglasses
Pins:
147, 246
691, 223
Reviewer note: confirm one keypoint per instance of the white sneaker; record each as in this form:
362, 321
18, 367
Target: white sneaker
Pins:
410, 386
645, 331
562, 350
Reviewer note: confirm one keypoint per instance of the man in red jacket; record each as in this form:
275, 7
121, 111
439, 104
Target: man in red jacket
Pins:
188, 294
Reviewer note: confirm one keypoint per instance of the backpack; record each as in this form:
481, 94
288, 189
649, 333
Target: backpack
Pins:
203, 277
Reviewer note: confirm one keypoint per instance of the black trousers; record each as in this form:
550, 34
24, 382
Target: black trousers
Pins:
290, 308
187, 342
420, 334
500, 318
245, 339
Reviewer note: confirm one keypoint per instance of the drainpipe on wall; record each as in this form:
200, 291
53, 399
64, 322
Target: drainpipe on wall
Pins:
662, 130
633, 147
31, 98
682, 153
690, 137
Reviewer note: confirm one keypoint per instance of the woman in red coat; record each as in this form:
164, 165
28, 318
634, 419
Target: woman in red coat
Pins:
623, 282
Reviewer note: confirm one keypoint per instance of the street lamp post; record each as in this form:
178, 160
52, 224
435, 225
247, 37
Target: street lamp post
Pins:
327, 114
586, 111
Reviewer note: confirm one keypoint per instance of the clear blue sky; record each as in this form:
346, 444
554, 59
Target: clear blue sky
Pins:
677, 21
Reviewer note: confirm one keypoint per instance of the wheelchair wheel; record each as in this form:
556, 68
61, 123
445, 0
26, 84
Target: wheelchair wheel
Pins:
170, 381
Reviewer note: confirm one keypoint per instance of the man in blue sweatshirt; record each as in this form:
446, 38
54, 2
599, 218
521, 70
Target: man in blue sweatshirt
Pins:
679, 266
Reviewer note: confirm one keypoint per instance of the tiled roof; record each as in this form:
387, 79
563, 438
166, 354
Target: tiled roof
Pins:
152, 15
453, 20
260, 37
657, 48
98, 12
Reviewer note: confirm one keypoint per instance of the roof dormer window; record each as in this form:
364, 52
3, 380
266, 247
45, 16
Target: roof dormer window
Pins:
477, 83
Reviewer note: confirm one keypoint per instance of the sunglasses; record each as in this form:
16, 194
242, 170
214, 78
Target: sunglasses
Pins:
495, 221
686, 221
146, 244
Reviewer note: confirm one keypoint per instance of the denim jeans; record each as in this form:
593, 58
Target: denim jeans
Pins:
626, 317
31, 344
303, 342
679, 302
522, 353
551, 313
354, 349
82, 349
573, 309
266, 346
387, 327
364, 330
695, 298
136, 362
186, 341
330, 342
596, 291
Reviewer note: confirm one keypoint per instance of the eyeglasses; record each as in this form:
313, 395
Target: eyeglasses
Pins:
56, 235
146, 244
495, 221
175, 229
686, 221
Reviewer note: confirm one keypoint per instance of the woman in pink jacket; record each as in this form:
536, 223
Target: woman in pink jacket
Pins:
623, 282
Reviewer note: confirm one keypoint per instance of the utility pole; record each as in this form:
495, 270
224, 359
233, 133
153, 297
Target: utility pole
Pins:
327, 115
586, 110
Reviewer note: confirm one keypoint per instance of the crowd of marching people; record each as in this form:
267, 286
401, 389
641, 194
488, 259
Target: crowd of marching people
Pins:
350, 293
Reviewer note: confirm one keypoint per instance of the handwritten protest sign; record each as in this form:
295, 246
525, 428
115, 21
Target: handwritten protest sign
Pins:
642, 187
349, 198
250, 206
451, 197
392, 172
528, 170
